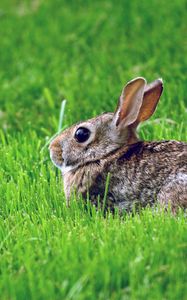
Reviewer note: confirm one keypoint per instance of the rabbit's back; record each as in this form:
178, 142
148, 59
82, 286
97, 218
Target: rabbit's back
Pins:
140, 173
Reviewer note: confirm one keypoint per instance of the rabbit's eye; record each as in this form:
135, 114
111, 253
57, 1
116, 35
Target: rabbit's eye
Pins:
82, 134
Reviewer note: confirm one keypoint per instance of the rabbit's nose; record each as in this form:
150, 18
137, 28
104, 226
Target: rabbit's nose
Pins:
56, 153
54, 144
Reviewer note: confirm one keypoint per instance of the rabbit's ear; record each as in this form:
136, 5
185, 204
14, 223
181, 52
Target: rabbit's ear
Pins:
151, 97
129, 103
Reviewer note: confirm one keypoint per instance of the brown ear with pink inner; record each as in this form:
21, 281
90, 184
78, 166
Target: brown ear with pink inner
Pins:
129, 103
151, 97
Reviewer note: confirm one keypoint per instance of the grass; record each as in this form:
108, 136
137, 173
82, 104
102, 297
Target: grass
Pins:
84, 51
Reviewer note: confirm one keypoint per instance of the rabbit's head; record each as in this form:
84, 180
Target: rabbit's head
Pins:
97, 138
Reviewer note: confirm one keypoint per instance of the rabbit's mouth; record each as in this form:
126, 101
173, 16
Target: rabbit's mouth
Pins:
65, 169
58, 161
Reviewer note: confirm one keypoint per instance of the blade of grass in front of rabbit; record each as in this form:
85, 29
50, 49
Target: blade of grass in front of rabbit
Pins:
106, 191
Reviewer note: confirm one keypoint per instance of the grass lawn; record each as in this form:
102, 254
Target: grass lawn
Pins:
84, 51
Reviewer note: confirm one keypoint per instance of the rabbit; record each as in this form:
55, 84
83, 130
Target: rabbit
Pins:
107, 149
